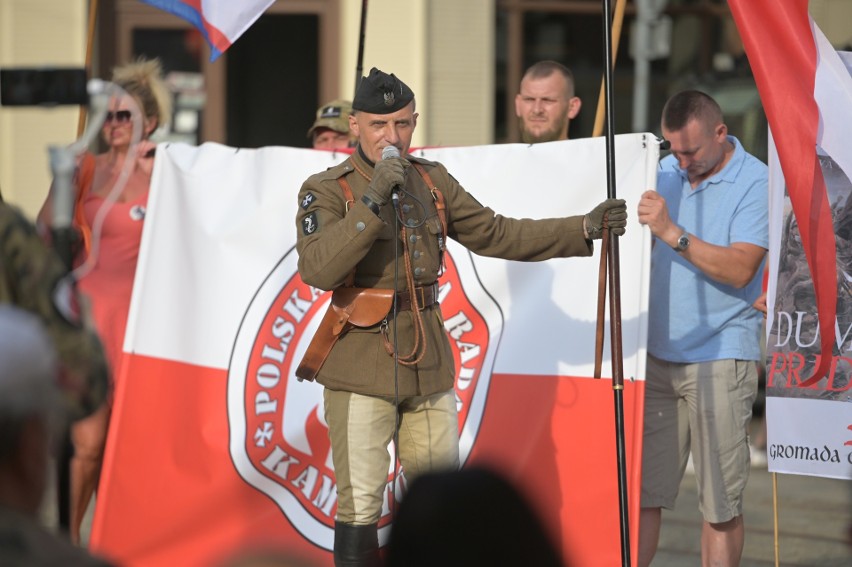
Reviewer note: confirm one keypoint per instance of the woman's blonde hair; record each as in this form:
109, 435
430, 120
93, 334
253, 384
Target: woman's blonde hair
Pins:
143, 80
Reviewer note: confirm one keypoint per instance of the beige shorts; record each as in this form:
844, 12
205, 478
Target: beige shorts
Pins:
704, 408
361, 427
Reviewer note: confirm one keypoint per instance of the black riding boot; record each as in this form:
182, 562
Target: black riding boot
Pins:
356, 546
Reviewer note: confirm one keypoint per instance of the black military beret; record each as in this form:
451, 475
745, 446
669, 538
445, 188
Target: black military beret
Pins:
380, 93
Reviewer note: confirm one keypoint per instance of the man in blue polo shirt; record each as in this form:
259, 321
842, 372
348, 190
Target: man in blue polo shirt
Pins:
710, 223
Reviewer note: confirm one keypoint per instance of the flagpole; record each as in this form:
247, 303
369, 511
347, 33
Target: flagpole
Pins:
90, 41
359, 65
615, 295
63, 463
775, 517
597, 131
620, 6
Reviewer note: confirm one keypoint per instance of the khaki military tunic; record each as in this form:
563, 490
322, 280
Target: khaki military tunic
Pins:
332, 242
32, 277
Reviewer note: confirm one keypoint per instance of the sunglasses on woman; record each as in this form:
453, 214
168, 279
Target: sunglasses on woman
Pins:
119, 117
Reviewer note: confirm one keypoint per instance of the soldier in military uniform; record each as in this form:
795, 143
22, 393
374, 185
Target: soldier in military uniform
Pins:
33, 278
330, 130
401, 367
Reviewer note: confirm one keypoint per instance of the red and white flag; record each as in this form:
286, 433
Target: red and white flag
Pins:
221, 22
782, 50
806, 89
214, 446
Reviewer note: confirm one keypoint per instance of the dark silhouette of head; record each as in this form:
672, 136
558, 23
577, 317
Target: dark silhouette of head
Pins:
473, 517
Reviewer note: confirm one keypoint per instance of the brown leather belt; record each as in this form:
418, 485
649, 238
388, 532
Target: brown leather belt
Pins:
426, 297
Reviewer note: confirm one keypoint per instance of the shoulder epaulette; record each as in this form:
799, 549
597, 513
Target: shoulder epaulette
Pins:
421, 160
335, 171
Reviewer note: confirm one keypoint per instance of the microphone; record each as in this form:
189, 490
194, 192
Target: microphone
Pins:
389, 152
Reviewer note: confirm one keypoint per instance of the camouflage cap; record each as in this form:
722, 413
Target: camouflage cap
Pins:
334, 116
380, 93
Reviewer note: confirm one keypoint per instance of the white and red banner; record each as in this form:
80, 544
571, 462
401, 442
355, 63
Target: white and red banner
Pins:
806, 90
214, 445
221, 22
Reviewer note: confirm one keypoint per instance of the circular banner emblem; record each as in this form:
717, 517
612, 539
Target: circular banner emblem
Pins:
278, 435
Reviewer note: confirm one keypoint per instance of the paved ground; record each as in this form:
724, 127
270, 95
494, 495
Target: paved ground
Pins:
814, 517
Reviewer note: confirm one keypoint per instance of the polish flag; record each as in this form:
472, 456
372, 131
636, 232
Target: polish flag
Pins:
795, 67
215, 447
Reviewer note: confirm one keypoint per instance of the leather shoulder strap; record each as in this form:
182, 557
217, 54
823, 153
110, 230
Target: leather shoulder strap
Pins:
350, 200
440, 204
347, 192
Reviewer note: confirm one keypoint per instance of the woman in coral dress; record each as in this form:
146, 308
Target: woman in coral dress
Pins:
111, 227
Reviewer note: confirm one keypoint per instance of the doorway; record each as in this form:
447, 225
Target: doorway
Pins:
263, 91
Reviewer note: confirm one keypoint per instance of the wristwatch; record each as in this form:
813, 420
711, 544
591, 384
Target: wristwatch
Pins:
682, 242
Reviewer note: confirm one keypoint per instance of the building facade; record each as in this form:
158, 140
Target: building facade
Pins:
463, 58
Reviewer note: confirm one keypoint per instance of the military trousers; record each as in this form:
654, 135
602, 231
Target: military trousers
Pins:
361, 429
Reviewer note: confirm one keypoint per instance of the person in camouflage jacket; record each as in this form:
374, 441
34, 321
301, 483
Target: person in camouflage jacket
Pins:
33, 278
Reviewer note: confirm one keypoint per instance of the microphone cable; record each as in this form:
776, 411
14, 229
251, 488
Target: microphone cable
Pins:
399, 222
406, 222
391, 151
396, 423
388, 152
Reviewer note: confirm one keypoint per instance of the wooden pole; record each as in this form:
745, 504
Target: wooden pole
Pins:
90, 43
63, 463
775, 516
618, 20
596, 131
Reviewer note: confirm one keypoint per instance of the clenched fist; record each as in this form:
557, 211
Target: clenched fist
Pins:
616, 218
389, 173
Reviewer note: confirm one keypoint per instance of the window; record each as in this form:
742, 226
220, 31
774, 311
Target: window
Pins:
263, 91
